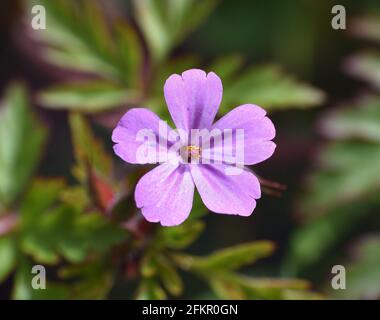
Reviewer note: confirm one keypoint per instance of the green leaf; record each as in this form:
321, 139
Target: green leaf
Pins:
199, 209
182, 236
76, 196
269, 87
148, 265
347, 169
196, 13
169, 275
363, 273
150, 18
77, 37
130, 53
271, 283
93, 166
41, 195
98, 234
88, 150
66, 232
149, 289
85, 96
226, 289
365, 66
8, 257
81, 37
228, 258
23, 290
314, 240
90, 280
72, 44
165, 23
348, 172
233, 286
21, 141
359, 121
344, 186
227, 285
226, 67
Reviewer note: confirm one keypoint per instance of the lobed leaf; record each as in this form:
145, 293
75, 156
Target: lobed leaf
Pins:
229, 258
94, 96
226, 67
359, 121
233, 286
23, 290
317, 238
348, 173
42, 194
363, 273
88, 150
92, 280
77, 37
149, 289
347, 168
70, 234
83, 38
269, 87
21, 141
182, 236
169, 275
165, 23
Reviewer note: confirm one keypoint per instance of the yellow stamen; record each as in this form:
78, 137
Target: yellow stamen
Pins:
190, 153
194, 151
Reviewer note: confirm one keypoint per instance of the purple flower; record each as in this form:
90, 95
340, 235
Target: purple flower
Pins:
165, 194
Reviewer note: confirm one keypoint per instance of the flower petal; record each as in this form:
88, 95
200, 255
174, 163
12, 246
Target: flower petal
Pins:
165, 194
228, 194
258, 131
130, 147
193, 99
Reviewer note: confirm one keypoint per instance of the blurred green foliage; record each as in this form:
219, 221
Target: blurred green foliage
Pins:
343, 188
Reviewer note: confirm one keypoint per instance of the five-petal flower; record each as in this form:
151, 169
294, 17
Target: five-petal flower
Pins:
165, 194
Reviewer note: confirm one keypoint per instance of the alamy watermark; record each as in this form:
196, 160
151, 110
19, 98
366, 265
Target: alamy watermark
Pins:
338, 22
39, 17
338, 281
39, 280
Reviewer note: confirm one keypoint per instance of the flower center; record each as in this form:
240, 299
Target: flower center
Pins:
189, 153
